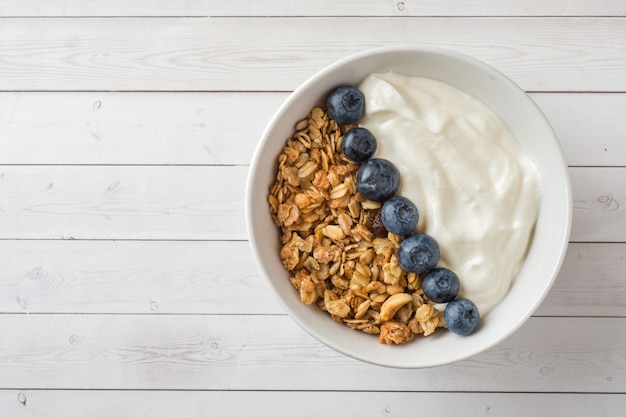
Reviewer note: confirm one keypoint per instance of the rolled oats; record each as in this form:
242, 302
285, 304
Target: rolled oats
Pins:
395, 332
338, 256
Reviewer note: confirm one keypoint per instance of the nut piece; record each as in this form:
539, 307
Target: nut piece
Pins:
392, 304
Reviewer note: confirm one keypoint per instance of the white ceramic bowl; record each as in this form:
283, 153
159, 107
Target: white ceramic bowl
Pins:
532, 131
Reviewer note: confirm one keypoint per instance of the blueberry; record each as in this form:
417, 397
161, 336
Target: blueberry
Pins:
418, 253
461, 316
346, 105
358, 144
399, 215
441, 285
377, 179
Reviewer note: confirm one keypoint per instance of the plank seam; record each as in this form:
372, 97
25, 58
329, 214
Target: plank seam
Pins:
317, 391
334, 16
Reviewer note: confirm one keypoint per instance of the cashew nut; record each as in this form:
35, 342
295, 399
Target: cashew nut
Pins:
391, 306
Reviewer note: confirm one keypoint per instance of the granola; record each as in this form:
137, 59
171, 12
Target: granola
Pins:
332, 244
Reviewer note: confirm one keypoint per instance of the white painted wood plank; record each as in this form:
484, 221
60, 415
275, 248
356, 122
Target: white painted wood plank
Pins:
155, 277
60, 403
590, 127
424, 8
118, 202
198, 202
590, 283
599, 204
207, 128
133, 128
270, 353
132, 277
239, 8
540, 54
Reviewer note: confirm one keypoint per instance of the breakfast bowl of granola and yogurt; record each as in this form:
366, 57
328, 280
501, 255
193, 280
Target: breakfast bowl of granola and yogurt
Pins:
409, 206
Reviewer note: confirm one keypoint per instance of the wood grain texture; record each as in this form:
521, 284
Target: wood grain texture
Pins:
241, 8
229, 352
45, 403
133, 128
208, 128
122, 202
591, 282
599, 204
207, 202
138, 277
590, 127
278, 54
155, 277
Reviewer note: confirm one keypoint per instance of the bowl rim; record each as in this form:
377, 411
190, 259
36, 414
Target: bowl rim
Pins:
330, 68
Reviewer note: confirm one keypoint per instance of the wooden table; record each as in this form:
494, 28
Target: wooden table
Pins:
127, 286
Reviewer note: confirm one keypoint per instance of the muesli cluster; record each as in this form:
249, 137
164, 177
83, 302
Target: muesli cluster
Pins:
332, 243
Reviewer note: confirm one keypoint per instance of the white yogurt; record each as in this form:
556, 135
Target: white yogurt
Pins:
476, 191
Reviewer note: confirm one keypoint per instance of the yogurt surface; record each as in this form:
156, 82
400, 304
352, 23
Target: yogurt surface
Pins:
476, 191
